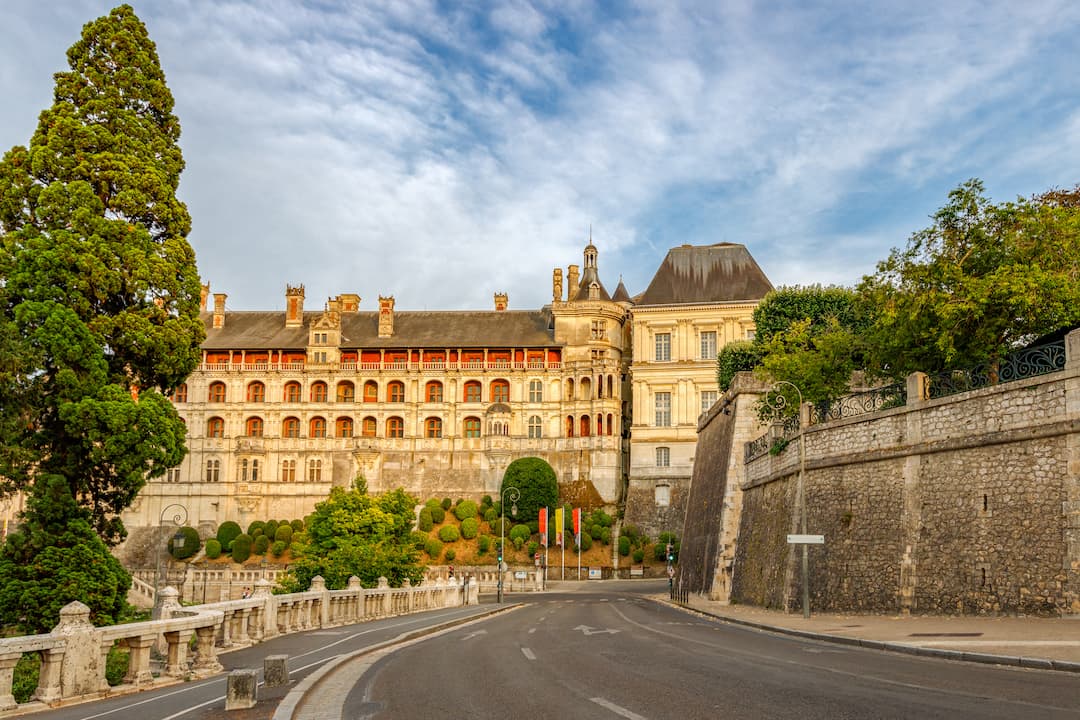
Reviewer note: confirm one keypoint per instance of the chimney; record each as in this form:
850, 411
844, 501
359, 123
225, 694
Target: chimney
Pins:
556, 285
219, 310
386, 316
204, 295
500, 302
572, 281
294, 305
349, 302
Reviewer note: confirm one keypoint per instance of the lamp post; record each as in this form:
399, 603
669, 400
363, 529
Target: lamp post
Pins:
179, 517
778, 403
514, 494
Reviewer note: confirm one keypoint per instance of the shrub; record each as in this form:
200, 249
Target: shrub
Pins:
425, 523
433, 548
597, 531
660, 549
499, 523
490, 515
25, 680
536, 482
601, 518
256, 528
270, 528
605, 536
586, 541
450, 555
483, 544
534, 547
437, 514
297, 525
469, 528
624, 545
521, 532
261, 545
190, 546
278, 548
639, 555
631, 531
485, 502
534, 526
241, 548
213, 548
446, 504
227, 532
518, 542
449, 533
284, 534
465, 509
417, 539
116, 665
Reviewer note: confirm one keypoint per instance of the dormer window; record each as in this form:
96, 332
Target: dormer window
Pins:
321, 338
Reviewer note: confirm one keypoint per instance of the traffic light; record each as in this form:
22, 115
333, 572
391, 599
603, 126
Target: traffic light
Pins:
500, 554
670, 553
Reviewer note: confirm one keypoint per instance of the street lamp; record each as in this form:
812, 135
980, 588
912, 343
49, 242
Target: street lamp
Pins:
179, 517
778, 402
514, 494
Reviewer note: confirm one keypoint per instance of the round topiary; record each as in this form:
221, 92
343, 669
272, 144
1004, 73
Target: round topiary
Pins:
483, 544
605, 536
226, 532
297, 525
449, 533
586, 541
425, 522
437, 514
446, 504
262, 544
465, 509
277, 549
490, 515
256, 528
190, 545
520, 531
534, 546
485, 502
241, 548
284, 534
270, 528
624, 545
213, 549
433, 548
469, 528
639, 555
450, 555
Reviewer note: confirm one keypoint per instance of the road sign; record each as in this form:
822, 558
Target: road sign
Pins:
671, 571
806, 539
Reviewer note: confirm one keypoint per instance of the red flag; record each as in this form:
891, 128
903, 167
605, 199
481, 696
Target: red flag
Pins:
576, 514
543, 527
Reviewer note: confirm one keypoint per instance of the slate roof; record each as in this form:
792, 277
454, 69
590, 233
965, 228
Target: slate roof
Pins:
259, 330
725, 272
621, 295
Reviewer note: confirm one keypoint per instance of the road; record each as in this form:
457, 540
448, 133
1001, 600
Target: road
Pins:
608, 652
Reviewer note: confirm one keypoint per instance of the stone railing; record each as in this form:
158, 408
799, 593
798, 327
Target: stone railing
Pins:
73, 654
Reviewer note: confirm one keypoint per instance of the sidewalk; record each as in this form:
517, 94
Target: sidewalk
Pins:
1047, 643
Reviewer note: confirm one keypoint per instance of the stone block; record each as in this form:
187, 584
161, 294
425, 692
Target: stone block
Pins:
242, 690
276, 670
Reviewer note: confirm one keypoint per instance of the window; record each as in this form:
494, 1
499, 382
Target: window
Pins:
213, 470
346, 392
536, 427
584, 429
180, 394
343, 427
663, 457
319, 357
395, 427
321, 338
536, 391
599, 424
472, 392
610, 423
368, 428
585, 389
253, 427
570, 426
500, 391
708, 345
371, 391
292, 392
172, 475
750, 334
433, 427
395, 392
472, 427
290, 427
217, 392
249, 470
317, 427
663, 495
215, 427
433, 392
288, 471
314, 470
708, 399
318, 392
598, 330
663, 349
256, 392
663, 409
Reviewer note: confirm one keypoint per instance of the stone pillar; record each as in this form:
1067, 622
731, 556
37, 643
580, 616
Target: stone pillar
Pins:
139, 660
48, 689
918, 388
176, 661
276, 670
83, 669
406, 585
474, 590
384, 588
206, 662
242, 691
357, 602
318, 584
1071, 504
7, 672
268, 628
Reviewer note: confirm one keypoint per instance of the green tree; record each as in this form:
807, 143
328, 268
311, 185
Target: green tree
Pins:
352, 533
537, 483
99, 303
738, 356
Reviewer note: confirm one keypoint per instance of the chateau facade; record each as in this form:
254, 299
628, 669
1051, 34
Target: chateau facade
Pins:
287, 404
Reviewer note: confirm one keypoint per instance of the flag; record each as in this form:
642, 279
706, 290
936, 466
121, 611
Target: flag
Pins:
543, 527
576, 514
558, 526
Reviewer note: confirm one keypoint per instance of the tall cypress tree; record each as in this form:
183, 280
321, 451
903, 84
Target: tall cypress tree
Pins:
99, 293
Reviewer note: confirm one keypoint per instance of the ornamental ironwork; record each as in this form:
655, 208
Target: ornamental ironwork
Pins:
1022, 364
756, 447
867, 401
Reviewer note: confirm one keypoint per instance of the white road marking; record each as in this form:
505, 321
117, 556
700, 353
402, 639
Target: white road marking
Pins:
618, 710
532, 630
586, 630
473, 634
528, 653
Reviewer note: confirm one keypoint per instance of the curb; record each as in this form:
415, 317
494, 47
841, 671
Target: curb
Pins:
905, 648
286, 709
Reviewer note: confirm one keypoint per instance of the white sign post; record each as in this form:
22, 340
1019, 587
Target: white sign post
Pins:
805, 540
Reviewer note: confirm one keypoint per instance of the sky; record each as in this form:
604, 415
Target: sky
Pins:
441, 152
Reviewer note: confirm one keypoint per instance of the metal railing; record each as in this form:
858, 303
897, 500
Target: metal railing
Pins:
860, 403
1019, 365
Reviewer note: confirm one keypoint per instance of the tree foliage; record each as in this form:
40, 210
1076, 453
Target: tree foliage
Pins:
352, 533
99, 303
737, 356
537, 483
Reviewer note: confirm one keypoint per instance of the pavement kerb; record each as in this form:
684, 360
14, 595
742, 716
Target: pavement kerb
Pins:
908, 649
288, 705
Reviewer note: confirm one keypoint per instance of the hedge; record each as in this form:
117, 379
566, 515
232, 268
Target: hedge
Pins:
227, 532
213, 549
262, 544
191, 543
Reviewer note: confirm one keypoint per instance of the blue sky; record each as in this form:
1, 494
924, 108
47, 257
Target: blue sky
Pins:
442, 151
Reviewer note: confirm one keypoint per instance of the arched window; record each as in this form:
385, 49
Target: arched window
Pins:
213, 470
317, 427
395, 427
472, 427
599, 424
217, 392
292, 392
256, 392
584, 426
433, 427
318, 391
395, 392
343, 427
368, 428
433, 392
536, 391
569, 426
610, 386
500, 391
215, 427
371, 391
610, 423
288, 471
346, 392
585, 389
253, 427
599, 387
314, 470
536, 428
180, 394
569, 389
472, 391
290, 427
663, 457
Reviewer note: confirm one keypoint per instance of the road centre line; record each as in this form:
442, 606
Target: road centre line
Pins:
617, 709
528, 653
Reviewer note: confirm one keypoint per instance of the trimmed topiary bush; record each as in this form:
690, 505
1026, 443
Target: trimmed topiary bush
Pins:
520, 531
190, 545
490, 515
270, 528
284, 534
241, 548
485, 502
256, 528
624, 545
519, 542
297, 525
483, 544
213, 549
449, 533
437, 514
605, 536
465, 509
639, 555
417, 539
261, 545
450, 555
534, 546
496, 523
425, 522
277, 549
586, 541
446, 504
469, 528
433, 548
226, 532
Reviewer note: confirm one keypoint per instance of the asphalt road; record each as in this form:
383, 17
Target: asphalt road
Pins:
607, 652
